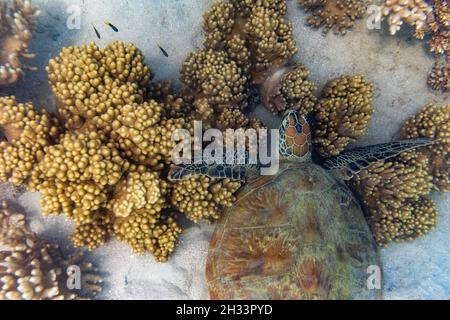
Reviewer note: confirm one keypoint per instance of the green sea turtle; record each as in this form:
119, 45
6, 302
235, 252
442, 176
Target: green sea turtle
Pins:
300, 234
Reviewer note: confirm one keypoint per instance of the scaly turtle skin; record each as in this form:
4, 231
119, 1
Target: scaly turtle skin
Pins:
299, 234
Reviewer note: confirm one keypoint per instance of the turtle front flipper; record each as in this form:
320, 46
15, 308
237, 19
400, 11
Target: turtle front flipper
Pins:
221, 171
348, 164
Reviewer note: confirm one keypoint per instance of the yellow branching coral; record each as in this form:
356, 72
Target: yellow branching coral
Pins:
251, 41
214, 75
34, 269
16, 25
433, 122
27, 133
202, 198
77, 173
90, 235
406, 223
87, 81
343, 114
140, 190
148, 231
339, 15
393, 182
270, 37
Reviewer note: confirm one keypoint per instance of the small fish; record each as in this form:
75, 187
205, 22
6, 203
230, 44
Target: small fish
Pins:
163, 51
112, 26
96, 32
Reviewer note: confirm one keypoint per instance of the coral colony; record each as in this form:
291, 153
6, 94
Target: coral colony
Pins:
34, 269
103, 159
16, 25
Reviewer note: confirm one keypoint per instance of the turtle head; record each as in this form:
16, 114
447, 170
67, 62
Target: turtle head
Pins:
295, 137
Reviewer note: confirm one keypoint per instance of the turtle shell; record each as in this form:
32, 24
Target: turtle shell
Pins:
297, 235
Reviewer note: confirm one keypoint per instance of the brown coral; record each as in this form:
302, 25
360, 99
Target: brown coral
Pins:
433, 122
439, 77
406, 223
77, 173
251, 41
27, 134
87, 81
343, 114
16, 26
339, 15
145, 231
391, 183
141, 189
214, 75
203, 198
34, 269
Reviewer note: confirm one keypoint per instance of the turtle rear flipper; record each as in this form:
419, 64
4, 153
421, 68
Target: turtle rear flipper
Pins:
348, 164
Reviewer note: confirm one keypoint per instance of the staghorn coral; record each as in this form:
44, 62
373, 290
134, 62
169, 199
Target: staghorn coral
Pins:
16, 25
87, 81
339, 15
34, 269
413, 12
406, 223
433, 122
27, 134
202, 198
343, 114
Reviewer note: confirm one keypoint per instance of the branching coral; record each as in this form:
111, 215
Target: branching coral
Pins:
214, 75
146, 231
34, 269
394, 191
409, 222
202, 198
77, 173
343, 114
27, 133
339, 15
87, 80
391, 183
433, 122
16, 25
413, 12
439, 77
141, 189
248, 43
